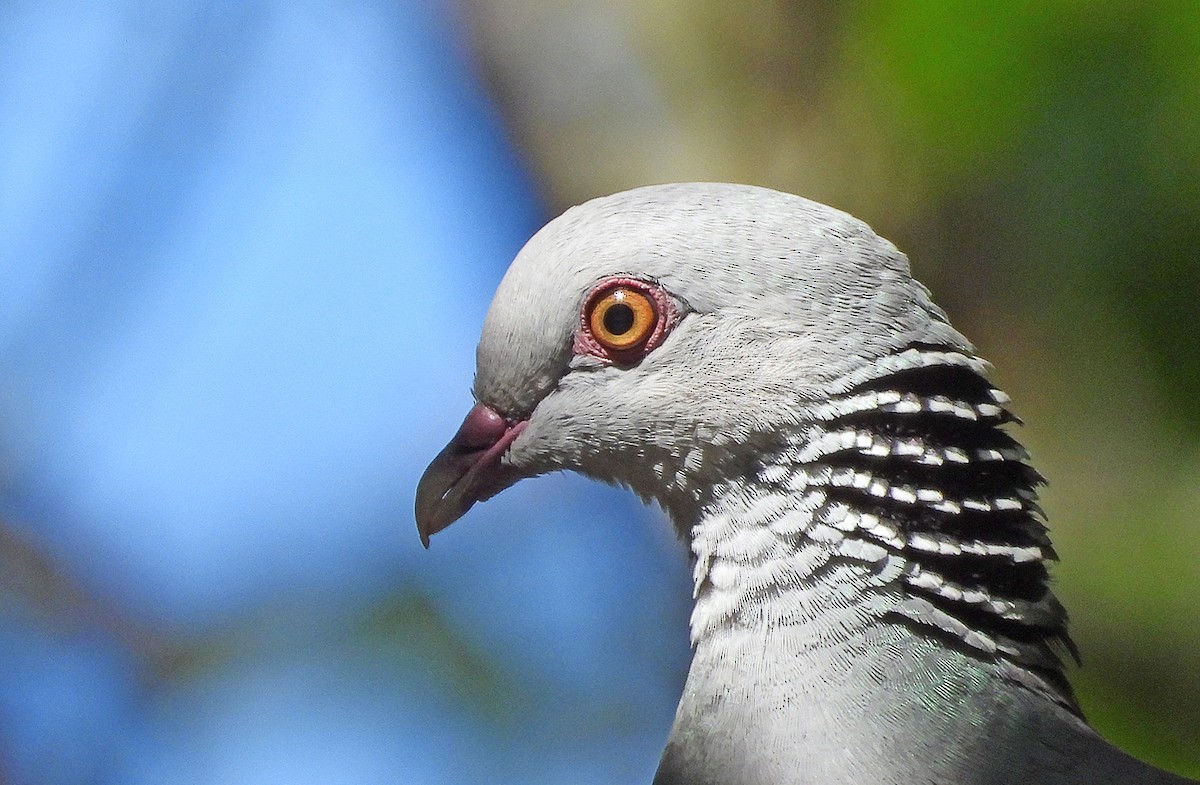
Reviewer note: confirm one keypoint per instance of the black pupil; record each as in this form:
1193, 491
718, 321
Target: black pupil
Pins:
618, 319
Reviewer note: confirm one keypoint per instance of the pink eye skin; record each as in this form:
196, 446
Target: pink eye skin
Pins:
623, 319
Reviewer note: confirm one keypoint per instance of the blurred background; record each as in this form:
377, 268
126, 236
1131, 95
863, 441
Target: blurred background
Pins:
245, 252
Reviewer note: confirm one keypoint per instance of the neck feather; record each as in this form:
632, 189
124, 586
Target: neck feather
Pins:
902, 500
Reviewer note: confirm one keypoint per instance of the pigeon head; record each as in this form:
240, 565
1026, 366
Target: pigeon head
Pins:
656, 337
870, 563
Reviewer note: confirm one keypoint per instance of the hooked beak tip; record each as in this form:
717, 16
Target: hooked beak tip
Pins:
467, 470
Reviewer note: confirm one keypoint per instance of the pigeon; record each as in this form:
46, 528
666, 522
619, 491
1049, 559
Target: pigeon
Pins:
871, 597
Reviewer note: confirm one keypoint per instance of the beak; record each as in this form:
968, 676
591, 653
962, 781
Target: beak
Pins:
467, 470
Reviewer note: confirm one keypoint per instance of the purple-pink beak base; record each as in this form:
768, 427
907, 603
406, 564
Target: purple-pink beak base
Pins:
467, 470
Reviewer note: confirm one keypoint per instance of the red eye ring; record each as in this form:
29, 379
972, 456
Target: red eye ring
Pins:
623, 318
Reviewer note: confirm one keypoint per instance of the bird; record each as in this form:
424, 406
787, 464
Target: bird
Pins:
871, 596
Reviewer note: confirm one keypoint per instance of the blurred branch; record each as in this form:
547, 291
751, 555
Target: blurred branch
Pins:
36, 584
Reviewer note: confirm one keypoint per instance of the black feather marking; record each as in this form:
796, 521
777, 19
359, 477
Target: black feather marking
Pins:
988, 504
955, 381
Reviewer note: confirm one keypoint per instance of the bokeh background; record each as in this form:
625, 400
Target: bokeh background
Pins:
245, 251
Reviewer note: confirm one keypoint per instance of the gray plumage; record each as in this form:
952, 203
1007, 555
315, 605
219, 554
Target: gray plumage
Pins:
871, 596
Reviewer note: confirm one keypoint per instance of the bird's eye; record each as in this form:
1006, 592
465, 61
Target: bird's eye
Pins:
621, 318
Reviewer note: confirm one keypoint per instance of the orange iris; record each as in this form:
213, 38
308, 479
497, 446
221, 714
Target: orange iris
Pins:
623, 318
